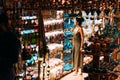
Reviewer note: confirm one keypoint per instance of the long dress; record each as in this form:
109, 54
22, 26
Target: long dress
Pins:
77, 55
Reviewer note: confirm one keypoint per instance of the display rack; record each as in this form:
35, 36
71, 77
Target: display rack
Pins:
67, 41
100, 45
26, 17
100, 68
53, 26
30, 39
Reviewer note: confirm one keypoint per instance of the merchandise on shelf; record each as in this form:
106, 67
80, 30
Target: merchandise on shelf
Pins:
105, 68
68, 23
55, 49
54, 37
56, 68
67, 44
105, 47
67, 67
68, 34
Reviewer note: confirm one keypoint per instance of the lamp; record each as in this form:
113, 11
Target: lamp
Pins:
43, 64
48, 68
40, 59
20, 78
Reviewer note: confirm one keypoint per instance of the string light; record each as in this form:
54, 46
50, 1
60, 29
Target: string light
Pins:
40, 59
20, 78
43, 64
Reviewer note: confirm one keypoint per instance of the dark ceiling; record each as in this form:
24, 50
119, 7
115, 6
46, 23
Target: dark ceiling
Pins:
60, 4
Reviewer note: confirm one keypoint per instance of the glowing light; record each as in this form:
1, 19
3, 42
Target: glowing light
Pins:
40, 59
28, 17
44, 64
33, 46
29, 31
47, 22
20, 78
63, 1
35, 30
48, 68
28, 47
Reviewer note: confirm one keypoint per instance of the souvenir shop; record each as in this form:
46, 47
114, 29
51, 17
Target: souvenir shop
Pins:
45, 31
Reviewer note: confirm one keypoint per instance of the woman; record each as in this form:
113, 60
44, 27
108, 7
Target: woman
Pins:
78, 40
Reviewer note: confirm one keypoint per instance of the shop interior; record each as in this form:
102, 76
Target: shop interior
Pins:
44, 28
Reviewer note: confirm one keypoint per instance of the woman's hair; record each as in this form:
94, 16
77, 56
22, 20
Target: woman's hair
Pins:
79, 20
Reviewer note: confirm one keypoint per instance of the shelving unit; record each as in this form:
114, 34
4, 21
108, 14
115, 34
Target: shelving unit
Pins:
30, 41
25, 16
53, 26
99, 69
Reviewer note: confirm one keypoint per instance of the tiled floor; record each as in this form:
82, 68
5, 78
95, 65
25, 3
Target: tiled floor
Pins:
71, 76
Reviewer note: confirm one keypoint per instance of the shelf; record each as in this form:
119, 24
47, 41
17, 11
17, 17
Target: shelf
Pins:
97, 73
54, 33
54, 46
90, 53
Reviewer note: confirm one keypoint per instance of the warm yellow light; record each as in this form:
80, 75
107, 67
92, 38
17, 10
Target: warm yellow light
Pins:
53, 0
40, 59
20, 78
44, 64
48, 68
63, 1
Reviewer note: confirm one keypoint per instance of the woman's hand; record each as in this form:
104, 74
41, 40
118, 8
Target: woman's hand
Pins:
81, 49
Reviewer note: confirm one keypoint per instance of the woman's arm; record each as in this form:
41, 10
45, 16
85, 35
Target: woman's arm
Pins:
82, 37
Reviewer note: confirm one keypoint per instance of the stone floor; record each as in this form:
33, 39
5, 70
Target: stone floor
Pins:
71, 76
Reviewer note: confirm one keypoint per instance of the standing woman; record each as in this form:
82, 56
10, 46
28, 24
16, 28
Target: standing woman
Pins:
78, 41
